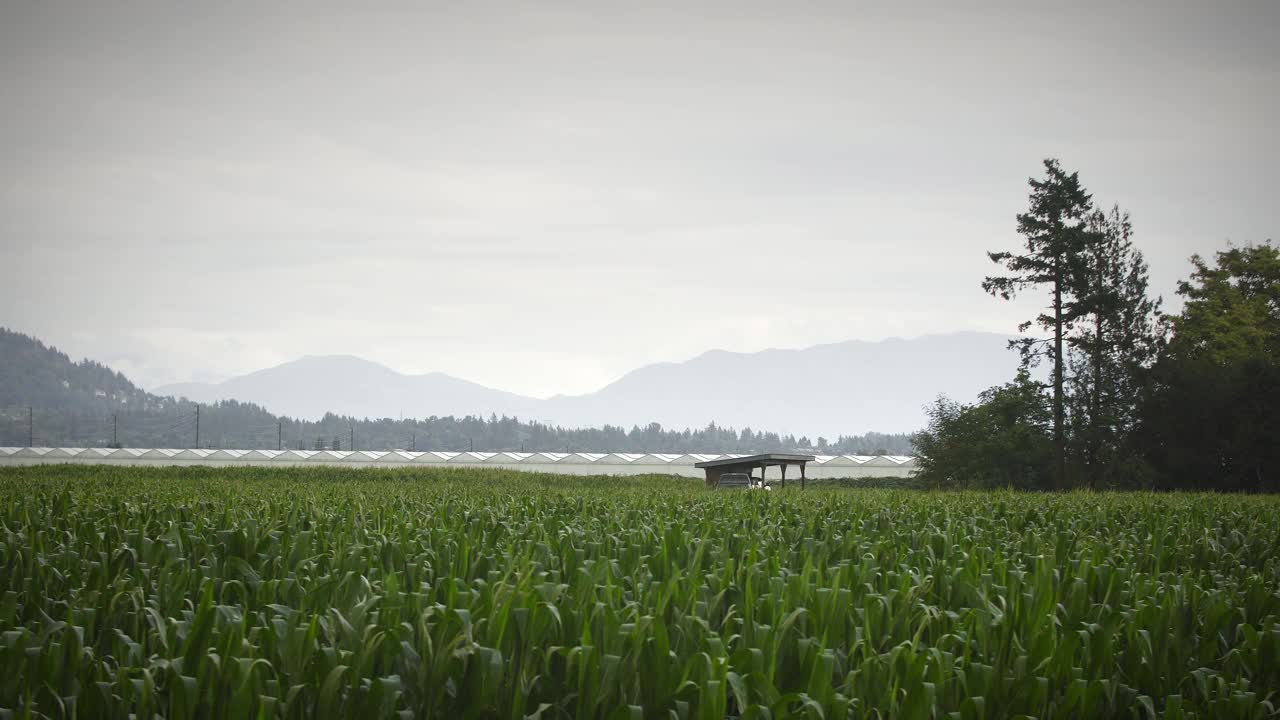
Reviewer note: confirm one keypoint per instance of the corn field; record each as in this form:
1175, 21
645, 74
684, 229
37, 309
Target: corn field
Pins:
291, 593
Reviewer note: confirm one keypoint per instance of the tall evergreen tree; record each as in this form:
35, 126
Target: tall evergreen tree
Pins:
1111, 348
1056, 234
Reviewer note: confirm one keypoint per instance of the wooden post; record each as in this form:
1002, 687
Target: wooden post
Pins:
801, 476
783, 468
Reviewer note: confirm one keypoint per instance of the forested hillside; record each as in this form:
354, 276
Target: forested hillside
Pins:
34, 374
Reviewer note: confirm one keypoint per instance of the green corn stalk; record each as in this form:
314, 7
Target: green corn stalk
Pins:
316, 592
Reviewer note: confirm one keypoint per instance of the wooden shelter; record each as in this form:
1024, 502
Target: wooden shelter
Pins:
749, 463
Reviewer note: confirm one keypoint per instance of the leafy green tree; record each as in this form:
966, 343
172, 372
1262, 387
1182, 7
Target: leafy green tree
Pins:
1003, 440
1211, 411
1056, 233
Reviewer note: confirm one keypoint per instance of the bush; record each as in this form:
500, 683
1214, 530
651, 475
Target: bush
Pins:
1002, 441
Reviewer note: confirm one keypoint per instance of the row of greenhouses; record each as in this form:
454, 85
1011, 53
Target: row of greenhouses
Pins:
823, 466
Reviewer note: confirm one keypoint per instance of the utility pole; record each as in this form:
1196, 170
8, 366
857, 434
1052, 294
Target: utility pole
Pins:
353, 437
279, 435
31, 426
415, 441
115, 436
197, 427
473, 444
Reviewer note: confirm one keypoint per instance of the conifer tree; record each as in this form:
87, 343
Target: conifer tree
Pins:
1056, 234
1115, 342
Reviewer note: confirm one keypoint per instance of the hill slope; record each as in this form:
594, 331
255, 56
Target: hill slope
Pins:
33, 374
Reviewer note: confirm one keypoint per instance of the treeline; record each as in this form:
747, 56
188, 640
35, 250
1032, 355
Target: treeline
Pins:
48, 400
507, 433
231, 424
1136, 398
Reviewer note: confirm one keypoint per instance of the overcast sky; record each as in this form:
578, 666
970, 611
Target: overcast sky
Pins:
540, 197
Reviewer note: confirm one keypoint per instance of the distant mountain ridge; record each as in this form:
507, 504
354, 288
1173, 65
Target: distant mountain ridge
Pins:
833, 389
314, 385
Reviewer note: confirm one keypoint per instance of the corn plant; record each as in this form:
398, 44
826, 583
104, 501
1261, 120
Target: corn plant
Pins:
329, 593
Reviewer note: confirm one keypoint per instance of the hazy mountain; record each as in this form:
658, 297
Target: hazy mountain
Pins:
848, 387
346, 385
841, 388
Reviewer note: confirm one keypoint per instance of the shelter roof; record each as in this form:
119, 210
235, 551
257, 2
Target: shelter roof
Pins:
758, 460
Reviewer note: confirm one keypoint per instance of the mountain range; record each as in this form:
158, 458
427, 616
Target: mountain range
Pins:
47, 399
834, 389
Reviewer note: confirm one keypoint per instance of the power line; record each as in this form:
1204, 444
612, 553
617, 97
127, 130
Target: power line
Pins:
169, 427
159, 423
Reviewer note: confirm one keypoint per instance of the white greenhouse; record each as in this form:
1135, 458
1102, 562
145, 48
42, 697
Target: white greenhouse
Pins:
822, 466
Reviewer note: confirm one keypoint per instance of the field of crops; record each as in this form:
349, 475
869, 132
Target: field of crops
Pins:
214, 593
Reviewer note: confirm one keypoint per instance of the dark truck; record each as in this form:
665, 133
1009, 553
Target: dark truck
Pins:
735, 480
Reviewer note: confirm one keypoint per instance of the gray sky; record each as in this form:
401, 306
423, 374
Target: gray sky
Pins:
540, 197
